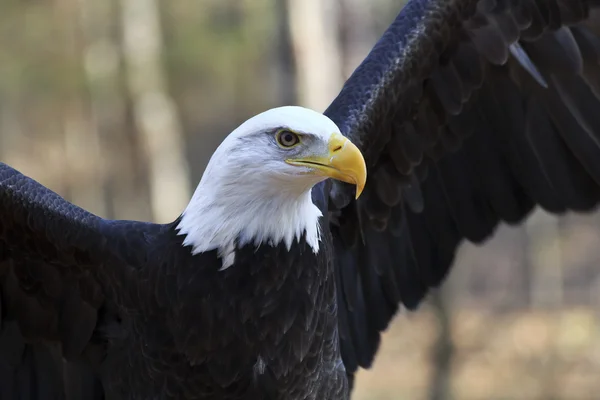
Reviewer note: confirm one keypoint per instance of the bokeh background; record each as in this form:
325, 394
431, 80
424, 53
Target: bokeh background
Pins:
118, 104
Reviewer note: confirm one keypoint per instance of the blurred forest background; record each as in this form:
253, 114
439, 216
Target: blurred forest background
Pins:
118, 104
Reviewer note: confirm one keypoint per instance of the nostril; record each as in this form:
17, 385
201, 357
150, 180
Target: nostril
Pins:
337, 148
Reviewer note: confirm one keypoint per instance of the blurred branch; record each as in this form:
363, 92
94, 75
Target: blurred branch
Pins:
154, 110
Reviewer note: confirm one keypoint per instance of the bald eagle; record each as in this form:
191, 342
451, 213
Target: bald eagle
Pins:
276, 282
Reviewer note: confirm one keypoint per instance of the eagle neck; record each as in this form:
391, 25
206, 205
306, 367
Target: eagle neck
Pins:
218, 218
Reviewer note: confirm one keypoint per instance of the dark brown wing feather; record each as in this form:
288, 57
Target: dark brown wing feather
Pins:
54, 265
469, 113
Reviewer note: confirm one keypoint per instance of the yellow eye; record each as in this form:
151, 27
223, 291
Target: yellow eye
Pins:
287, 138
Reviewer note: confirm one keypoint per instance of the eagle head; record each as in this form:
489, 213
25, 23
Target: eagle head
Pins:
257, 185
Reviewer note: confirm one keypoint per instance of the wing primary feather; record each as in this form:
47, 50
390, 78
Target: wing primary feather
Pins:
521, 56
478, 111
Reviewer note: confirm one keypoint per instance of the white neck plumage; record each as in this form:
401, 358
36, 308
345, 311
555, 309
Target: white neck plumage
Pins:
218, 218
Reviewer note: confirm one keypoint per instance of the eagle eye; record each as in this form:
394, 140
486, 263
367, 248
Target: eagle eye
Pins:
287, 138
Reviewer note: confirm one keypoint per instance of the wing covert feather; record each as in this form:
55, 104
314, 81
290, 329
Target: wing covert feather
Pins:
52, 299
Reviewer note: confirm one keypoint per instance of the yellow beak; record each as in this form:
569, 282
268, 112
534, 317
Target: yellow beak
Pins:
343, 162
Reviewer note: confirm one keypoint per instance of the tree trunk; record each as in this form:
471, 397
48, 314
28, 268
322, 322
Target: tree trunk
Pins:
154, 111
545, 259
285, 56
81, 142
443, 349
126, 195
318, 63
357, 33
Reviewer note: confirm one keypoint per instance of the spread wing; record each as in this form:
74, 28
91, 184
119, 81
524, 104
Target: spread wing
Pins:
54, 269
469, 113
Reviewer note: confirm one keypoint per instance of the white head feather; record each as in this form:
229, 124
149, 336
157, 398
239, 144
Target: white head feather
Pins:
249, 194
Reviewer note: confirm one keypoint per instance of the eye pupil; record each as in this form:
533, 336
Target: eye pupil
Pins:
288, 139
